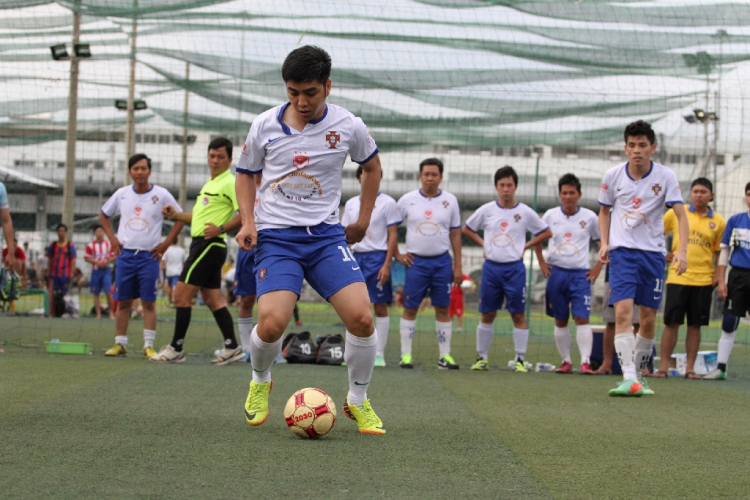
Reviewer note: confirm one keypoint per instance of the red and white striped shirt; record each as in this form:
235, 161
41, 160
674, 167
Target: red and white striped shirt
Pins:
99, 250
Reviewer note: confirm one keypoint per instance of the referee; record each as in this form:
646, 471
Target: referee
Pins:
212, 216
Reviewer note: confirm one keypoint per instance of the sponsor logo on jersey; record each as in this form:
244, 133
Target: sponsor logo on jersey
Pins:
503, 226
656, 188
333, 139
568, 236
428, 214
300, 161
297, 186
637, 202
138, 210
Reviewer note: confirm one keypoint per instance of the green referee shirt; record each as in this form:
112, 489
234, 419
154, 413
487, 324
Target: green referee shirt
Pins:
217, 203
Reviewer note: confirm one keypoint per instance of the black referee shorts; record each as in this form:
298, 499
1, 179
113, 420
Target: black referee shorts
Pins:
203, 265
738, 293
693, 301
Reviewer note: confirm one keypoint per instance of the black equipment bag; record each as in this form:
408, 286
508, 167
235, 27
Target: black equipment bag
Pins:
299, 348
331, 350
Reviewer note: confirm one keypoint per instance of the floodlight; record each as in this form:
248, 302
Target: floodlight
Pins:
82, 50
700, 115
690, 119
139, 105
59, 52
713, 116
122, 104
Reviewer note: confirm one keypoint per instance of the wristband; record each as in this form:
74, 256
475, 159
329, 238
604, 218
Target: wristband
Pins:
221, 229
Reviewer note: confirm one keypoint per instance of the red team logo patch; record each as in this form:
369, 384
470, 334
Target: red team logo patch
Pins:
138, 210
568, 236
301, 161
332, 138
637, 202
604, 186
428, 214
503, 226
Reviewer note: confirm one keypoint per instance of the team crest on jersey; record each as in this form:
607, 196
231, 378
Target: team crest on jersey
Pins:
583, 224
517, 217
637, 202
568, 236
712, 225
604, 186
137, 210
205, 200
503, 226
428, 214
333, 139
262, 274
154, 199
445, 204
656, 188
301, 161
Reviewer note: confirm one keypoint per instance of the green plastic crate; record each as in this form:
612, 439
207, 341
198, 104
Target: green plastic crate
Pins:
67, 347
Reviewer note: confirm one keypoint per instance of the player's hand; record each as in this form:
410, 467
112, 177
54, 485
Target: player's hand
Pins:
715, 282
384, 274
115, 243
669, 257
159, 250
679, 261
168, 212
10, 260
355, 232
723, 290
458, 276
546, 269
604, 253
593, 273
247, 238
211, 230
406, 259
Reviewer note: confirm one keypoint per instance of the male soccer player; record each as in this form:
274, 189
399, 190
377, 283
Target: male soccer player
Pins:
99, 255
735, 251
213, 215
374, 254
433, 226
171, 262
61, 260
505, 223
137, 249
632, 240
691, 294
9, 259
568, 273
300, 147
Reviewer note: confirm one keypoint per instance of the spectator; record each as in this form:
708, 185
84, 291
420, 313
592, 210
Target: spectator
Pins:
171, 262
61, 262
99, 254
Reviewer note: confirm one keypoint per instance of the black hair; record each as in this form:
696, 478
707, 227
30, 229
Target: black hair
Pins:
221, 142
747, 187
138, 157
506, 171
431, 161
360, 170
61, 225
702, 181
98, 226
307, 64
640, 129
567, 180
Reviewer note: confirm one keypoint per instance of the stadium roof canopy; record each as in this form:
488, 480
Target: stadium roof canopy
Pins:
475, 73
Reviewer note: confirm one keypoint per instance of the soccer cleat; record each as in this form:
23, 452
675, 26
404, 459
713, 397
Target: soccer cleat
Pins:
256, 404
227, 356
716, 374
480, 365
520, 367
566, 367
379, 361
627, 388
367, 421
447, 363
149, 352
406, 361
298, 323
167, 354
280, 359
586, 369
116, 350
647, 390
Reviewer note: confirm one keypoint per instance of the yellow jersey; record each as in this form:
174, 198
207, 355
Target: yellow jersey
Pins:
703, 242
216, 203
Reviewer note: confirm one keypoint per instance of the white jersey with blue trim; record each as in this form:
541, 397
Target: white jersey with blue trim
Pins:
429, 221
140, 215
638, 206
384, 214
302, 170
571, 235
505, 229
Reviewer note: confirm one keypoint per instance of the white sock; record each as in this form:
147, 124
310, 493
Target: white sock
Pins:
520, 341
444, 331
359, 355
406, 328
262, 355
562, 340
245, 327
726, 342
644, 348
122, 340
625, 348
585, 341
382, 325
485, 332
148, 338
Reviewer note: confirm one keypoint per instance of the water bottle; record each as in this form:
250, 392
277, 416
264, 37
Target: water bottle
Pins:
673, 372
544, 367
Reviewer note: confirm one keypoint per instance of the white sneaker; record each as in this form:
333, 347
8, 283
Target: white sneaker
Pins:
167, 354
227, 356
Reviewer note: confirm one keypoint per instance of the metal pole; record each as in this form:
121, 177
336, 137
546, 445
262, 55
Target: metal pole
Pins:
531, 262
183, 166
706, 154
130, 120
69, 186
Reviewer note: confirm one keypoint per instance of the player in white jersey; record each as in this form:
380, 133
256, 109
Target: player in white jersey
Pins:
300, 148
567, 270
374, 254
433, 226
137, 249
99, 255
171, 263
505, 223
632, 235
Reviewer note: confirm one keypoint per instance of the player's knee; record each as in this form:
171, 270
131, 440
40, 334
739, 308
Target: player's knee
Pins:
272, 324
148, 306
730, 323
361, 324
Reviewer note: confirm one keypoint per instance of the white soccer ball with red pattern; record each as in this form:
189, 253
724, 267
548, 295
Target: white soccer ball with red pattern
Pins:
310, 413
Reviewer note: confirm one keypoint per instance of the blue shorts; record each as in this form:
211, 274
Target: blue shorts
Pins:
172, 281
435, 273
503, 280
244, 276
136, 275
568, 289
101, 281
371, 263
636, 274
60, 284
318, 254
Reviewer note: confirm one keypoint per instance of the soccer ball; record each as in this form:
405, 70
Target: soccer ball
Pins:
310, 413
466, 285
